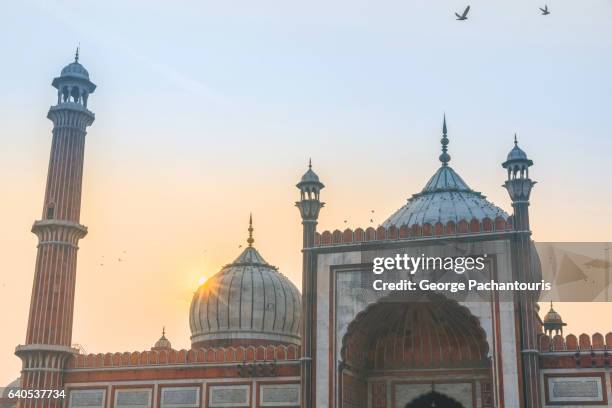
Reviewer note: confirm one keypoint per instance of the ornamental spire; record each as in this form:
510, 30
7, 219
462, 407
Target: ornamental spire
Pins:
444, 157
76, 53
250, 239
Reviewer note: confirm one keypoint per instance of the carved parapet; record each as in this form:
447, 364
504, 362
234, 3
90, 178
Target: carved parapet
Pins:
415, 231
582, 343
213, 355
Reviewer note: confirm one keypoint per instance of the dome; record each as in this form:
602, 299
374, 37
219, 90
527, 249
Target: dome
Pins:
15, 385
310, 177
445, 197
76, 76
553, 323
75, 69
516, 154
163, 342
248, 302
553, 317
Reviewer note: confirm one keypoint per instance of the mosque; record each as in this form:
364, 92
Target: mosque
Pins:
258, 342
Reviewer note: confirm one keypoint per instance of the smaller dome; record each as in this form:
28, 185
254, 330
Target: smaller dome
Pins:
74, 69
553, 317
163, 342
13, 386
74, 74
310, 177
516, 154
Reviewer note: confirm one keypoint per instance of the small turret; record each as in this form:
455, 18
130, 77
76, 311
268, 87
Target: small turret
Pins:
519, 185
73, 85
163, 343
553, 323
310, 190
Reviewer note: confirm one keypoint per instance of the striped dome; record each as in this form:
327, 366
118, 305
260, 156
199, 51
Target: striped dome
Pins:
247, 302
445, 197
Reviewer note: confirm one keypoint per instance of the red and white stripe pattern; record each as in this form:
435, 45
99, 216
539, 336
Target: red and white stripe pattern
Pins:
49, 333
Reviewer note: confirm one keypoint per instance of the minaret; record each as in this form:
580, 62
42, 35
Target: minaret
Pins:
519, 187
49, 332
309, 205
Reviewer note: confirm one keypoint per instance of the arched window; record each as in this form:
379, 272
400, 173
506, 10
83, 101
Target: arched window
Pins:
50, 211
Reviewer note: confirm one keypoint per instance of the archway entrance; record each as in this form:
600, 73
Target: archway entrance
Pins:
434, 400
423, 350
426, 331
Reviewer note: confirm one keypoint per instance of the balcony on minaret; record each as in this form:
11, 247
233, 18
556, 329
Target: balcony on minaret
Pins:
310, 190
73, 87
518, 184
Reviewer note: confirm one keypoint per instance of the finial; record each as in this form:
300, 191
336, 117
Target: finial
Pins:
515, 140
310, 163
250, 240
444, 157
444, 126
551, 305
164, 331
76, 53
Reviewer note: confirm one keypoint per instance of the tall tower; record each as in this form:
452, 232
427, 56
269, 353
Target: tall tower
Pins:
519, 187
49, 333
309, 205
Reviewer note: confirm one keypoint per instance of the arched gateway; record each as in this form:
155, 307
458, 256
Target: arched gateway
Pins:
419, 349
360, 352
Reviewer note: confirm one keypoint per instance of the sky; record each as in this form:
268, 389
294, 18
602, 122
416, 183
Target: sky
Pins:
207, 111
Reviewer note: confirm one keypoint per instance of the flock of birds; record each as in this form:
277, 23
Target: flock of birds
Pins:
119, 259
371, 219
464, 16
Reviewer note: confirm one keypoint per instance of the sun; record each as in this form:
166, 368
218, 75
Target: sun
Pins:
202, 280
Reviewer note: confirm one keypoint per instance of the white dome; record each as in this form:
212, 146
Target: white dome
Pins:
247, 302
445, 197
74, 69
516, 154
163, 342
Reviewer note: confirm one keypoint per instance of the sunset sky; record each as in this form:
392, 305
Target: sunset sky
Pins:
207, 111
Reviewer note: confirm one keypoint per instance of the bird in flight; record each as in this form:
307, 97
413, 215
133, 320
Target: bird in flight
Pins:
544, 10
464, 15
